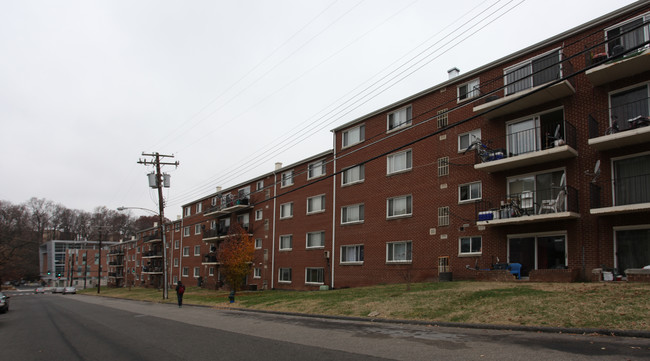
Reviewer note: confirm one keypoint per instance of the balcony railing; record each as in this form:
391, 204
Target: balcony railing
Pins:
210, 258
151, 237
530, 206
151, 254
223, 232
630, 194
629, 125
151, 269
548, 142
229, 205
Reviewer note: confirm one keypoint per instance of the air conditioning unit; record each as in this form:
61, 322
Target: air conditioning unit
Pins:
327, 254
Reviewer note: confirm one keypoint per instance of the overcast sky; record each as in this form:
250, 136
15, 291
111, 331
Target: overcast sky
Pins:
228, 87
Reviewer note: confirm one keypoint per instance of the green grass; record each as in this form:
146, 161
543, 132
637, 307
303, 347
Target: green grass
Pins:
612, 305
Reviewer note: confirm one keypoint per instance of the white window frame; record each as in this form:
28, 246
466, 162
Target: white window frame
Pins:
442, 118
320, 272
471, 240
197, 250
188, 211
287, 179
359, 252
186, 272
646, 30
258, 243
443, 216
210, 271
469, 192
285, 238
176, 262
443, 166
322, 239
283, 207
391, 126
197, 229
392, 158
199, 207
390, 248
360, 209
259, 185
257, 272
348, 173
259, 214
316, 169
471, 137
282, 273
529, 62
177, 244
358, 135
472, 90
310, 201
186, 251
186, 231
197, 272
390, 205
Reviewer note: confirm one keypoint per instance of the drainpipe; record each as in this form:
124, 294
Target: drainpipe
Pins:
333, 253
275, 186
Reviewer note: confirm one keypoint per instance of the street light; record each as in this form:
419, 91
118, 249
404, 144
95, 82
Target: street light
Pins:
164, 241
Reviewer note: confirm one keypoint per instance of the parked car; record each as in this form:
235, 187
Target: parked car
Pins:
69, 290
4, 303
58, 289
38, 290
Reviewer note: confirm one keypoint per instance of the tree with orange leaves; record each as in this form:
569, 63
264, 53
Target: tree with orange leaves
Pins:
236, 256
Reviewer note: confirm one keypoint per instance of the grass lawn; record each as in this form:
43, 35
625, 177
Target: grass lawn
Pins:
611, 305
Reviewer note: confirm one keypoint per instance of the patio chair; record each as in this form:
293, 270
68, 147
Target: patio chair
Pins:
515, 269
555, 205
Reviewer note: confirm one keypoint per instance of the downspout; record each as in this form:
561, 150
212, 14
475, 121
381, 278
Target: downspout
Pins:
180, 249
275, 185
333, 257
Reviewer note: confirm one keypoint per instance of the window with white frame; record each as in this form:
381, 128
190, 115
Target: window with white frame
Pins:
186, 251
197, 229
211, 271
213, 224
175, 262
353, 175
284, 275
316, 169
399, 118
177, 227
533, 72
466, 139
244, 220
196, 272
197, 250
186, 271
442, 118
352, 214
174, 279
286, 242
286, 210
468, 90
186, 231
316, 239
287, 179
316, 204
443, 166
443, 216
628, 35
399, 206
399, 252
628, 104
258, 243
314, 275
631, 179
469, 192
352, 254
259, 214
199, 207
257, 273
354, 135
539, 192
177, 244
244, 194
469, 245
187, 211
399, 162
213, 201
259, 185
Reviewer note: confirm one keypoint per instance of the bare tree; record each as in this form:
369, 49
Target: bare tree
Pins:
18, 249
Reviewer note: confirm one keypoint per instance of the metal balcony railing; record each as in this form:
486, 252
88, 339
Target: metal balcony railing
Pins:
529, 203
631, 114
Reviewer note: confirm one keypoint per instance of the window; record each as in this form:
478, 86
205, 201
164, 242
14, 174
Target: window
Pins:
631, 180
258, 243
316, 169
257, 273
466, 139
199, 207
469, 245
352, 254
286, 242
627, 35
243, 220
632, 249
177, 244
399, 162
629, 104
546, 190
316, 239
469, 192
197, 250
177, 227
175, 262
538, 252
259, 185
287, 179
213, 224
398, 252
533, 72
211, 271
352, 214
443, 118
443, 216
197, 229
284, 275
316, 204
186, 251
243, 195
468, 90
443, 166
259, 214
286, 210
186, 271
399, 206
354, 136
213, 201
314, 275
187, 211
399, 118
353, 175
196, 272
186, 231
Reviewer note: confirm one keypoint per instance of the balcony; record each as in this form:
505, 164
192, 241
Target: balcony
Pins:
152, 238
210, 259
541, 144
630, 195
229, 206
630, 122
550, 205
220, 233
152, 254
634, 62
116, 264
530, 91
152, 270
115, 275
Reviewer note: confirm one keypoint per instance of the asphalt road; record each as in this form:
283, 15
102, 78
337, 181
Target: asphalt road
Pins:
78, 327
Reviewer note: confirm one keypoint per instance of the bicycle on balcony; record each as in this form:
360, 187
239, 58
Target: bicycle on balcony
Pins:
485, 153
639, 121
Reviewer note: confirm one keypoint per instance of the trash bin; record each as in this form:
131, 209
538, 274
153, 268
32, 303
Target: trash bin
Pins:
231, 296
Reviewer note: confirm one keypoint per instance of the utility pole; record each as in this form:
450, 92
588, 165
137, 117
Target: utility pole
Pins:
160, 182
99, 270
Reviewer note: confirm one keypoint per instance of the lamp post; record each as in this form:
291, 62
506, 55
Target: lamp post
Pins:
164, 242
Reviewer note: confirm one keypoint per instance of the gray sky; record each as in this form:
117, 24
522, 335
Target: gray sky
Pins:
87, 86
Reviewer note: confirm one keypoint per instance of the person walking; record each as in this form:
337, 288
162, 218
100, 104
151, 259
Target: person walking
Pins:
180, 290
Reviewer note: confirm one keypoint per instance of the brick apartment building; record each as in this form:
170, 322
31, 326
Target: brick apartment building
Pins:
538, 158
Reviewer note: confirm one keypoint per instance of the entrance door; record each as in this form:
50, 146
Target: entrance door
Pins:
522, 250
